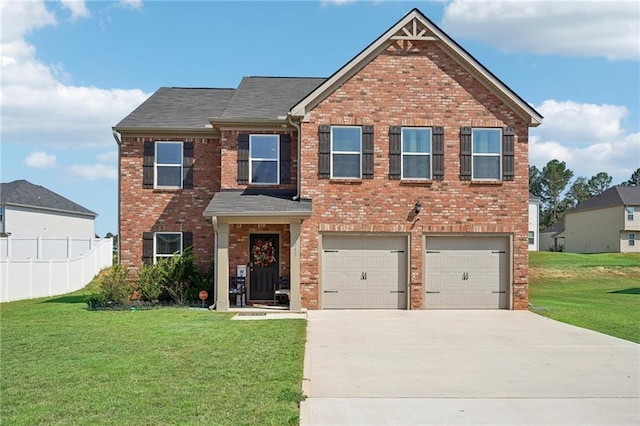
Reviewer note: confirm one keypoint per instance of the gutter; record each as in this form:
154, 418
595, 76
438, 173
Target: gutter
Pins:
298, 177
116, 136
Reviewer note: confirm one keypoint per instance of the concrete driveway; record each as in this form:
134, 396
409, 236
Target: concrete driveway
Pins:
465, 368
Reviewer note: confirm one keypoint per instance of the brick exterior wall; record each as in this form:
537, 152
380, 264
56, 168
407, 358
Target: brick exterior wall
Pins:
157, 210
421, 87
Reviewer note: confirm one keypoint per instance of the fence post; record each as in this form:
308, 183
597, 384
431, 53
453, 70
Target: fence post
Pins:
39, 248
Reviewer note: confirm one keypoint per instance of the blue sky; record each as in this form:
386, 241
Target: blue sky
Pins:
73, 69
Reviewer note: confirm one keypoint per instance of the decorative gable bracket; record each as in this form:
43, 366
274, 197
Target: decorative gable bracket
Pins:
414, 30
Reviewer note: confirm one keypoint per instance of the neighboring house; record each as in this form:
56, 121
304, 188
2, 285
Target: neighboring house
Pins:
398, 182
534, 222
609, 222
551, 238
28, 210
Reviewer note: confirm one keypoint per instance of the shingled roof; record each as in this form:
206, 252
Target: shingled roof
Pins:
256, 98
178, 108
614, 196
24, 193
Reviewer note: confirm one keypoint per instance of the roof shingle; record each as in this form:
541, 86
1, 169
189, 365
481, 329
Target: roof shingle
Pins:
25, 193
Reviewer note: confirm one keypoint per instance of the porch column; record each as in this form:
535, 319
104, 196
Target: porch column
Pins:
294, 277
222, 266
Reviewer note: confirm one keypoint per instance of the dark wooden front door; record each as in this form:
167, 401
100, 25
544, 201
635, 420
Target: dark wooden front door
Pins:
264, 264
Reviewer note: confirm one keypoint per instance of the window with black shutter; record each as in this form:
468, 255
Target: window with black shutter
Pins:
324, 151
148, 164
438, 153
187, 165
285, 159
243, 158
395, 153
147, 248
508, 153
367, 152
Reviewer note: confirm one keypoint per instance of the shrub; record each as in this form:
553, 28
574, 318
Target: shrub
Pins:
115, 285
149, 283
179, 273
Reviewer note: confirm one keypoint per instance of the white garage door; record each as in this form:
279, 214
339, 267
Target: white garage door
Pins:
362, 272
466, 272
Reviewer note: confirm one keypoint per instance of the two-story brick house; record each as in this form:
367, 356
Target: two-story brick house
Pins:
401, 181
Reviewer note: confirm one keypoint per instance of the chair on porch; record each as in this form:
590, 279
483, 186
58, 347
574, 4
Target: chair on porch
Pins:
238, 288
282, 290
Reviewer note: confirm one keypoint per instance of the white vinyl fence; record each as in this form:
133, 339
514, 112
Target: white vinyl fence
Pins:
44, 266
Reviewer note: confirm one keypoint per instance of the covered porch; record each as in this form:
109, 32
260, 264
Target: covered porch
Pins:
257, 232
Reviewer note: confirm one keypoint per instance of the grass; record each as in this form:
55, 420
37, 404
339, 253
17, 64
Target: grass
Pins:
600, 292
63, 364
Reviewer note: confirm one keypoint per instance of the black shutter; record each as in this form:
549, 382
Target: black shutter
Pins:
508, 151
285, 159
147, 248
367, 152
187, 165
187, 240
243, 158
465, 153
437, 150
324, 151
147, 164
395, 151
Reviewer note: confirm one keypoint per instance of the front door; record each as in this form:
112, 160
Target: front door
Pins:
264, 265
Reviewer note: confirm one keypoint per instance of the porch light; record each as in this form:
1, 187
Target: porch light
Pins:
417, 207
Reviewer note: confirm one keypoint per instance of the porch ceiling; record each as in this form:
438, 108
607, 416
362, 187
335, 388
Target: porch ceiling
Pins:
253, 204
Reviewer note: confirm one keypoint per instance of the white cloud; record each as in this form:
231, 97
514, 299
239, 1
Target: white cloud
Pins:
40, 160
78, 8
108, 156
133, 4
77, 116
589, 138
94, 171
575, 28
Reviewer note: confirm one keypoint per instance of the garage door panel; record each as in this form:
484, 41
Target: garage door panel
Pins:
364, 272
466, 273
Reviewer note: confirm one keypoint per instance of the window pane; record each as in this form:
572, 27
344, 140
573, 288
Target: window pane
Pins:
264, 146
346, 139
169, 176
486, 141
168, 153
416, 140
486, 167
416, 166
346, 166
168, 243
264, 171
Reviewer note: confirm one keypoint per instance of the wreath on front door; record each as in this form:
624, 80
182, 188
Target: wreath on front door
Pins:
263, 252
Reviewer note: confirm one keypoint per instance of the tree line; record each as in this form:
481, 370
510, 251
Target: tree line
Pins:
551, 185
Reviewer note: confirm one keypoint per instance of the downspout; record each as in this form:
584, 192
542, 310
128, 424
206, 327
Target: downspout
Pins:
298, 178
116, 136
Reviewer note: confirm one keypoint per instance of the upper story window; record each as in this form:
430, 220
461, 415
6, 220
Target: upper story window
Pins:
346, 151
416, 153
486, 153
264, 156
630, 212
168, 165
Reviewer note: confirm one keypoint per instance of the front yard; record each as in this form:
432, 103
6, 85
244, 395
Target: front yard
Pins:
600, 292
63, 364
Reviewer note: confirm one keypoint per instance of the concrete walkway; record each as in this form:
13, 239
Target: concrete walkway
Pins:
465, 368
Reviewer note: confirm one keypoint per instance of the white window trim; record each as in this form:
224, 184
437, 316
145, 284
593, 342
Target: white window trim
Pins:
155, 247
156, 164
346, 152
277, 161
630, 213
531, 237
499, 155
417, 154
632, 238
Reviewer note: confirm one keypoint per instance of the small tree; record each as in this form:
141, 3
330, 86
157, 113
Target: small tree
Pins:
149, 283
179, 273
115, 286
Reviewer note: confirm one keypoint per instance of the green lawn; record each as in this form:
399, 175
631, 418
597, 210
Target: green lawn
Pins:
600, 292
63, 364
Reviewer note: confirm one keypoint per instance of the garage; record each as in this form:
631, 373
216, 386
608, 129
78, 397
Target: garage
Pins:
364, 272
466, 272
